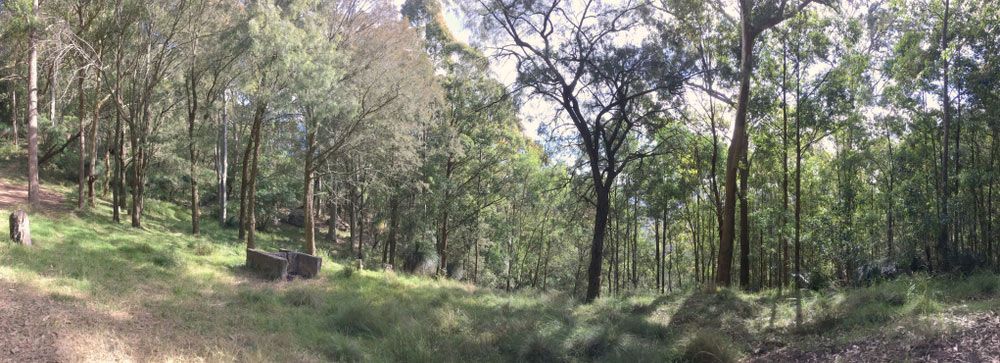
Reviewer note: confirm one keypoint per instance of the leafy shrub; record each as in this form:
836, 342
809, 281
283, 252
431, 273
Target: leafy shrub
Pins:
709, 346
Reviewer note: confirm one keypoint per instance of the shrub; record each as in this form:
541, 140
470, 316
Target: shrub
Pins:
709, 346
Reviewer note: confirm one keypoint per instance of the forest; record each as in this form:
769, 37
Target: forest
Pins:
500, 180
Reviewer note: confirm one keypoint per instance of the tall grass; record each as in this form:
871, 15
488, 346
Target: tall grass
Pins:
198, 286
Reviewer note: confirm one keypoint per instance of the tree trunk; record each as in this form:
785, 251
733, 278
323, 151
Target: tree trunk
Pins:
656, 239
192, 171
783, 266
744, 225
252, 187
94, 129
13, 116
33, 196
944, 221
597, 245
331, 233
82, 179
310, 222
223, 159
737, 148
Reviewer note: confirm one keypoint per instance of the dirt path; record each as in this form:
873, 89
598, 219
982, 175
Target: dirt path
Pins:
15, 195
975, 338
42, 328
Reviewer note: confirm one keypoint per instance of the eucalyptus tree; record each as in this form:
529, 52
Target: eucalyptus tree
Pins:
574, 56
470, 135
28, 11
279, 35
753, 20
146, 57
211, 50
380, 79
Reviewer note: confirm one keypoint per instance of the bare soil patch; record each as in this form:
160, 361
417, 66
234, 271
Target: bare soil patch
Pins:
40, 328
975, 338
15, 195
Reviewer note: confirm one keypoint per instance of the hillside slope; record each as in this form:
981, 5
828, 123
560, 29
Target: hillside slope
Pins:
92, 290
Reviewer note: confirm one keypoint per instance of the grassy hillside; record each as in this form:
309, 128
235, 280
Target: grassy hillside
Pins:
90, 289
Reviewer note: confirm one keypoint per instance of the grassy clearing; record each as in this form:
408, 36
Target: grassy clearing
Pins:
204, 306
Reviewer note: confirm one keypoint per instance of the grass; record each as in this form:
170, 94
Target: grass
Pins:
194, 290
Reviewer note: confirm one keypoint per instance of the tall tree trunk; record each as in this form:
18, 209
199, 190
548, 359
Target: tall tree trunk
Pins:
890, 206
246, 179
783, 267
81, 112
744, 225
737, 148
53, 81
798, 199
14, 116
252, 187
943, 246
95, 126
394, 230
331, 232
597, 244
656, 238
119, 182
308, 197
223, 159
33, 196
193, 162
442, 245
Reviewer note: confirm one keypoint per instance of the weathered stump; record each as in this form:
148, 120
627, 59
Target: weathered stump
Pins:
20, 229
267, 265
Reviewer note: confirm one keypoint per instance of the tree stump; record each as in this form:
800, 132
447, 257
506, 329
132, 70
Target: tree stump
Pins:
20, 230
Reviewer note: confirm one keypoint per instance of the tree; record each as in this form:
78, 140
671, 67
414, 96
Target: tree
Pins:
33, 190
754, 20
606, 91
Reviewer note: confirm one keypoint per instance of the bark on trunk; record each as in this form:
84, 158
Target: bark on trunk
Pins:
308, 195
82, 179
33, 196
944, 220
737, 148
223, 160
744, 225
597, 244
